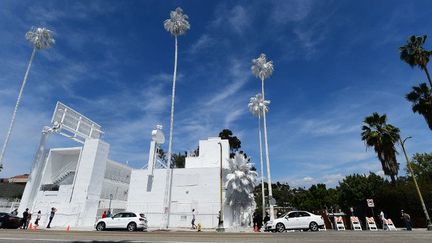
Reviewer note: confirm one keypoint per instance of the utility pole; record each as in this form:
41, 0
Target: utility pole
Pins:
428, 221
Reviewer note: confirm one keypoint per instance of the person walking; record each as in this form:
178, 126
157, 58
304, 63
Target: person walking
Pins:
193, 219
38, 217
383, 220
104, 215
52, 214
407, 220
24, 219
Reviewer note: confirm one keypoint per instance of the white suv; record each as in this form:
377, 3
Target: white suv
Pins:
300, 220
124, 220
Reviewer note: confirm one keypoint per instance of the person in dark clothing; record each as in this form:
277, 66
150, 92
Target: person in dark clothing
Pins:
266, 218
407, 220
52, 214
24, 219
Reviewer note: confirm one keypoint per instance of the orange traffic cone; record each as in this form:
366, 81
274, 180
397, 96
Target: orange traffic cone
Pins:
68, 228
256, 228
30, 226
35, 227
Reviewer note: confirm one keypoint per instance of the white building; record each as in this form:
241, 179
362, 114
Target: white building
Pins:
82, 182
197, 186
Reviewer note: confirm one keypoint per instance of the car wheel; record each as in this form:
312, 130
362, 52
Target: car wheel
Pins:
280, 227
100, 226
313, 226
131, 226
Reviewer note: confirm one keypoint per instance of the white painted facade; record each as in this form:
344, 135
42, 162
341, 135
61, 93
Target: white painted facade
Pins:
78, 182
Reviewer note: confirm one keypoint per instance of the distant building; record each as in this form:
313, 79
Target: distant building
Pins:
19, 179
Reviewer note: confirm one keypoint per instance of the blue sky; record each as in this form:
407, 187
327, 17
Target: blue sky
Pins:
335, 63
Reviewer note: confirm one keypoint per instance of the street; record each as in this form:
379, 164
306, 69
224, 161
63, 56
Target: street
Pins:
177, 236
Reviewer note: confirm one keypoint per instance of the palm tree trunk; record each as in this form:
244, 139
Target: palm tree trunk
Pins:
270, 191
16, 108
169, 170
428, 76
393, 179
262, 167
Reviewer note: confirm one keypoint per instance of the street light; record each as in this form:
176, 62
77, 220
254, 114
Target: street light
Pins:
220, 227
428, 221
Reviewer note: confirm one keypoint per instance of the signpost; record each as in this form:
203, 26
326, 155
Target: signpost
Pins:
371, 204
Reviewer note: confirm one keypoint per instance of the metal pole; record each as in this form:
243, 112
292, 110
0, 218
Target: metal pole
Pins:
109, 208
220, 225
428, 221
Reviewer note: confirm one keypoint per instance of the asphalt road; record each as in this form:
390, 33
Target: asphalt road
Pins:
11, 236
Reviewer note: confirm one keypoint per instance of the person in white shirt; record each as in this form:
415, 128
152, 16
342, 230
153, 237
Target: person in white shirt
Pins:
193, 219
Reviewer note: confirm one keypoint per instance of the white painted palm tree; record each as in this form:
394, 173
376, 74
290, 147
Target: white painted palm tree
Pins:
241, 181
41, 38
263, 69
177, 25
257, 105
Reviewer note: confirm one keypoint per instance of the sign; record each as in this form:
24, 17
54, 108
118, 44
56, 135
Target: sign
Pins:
370, 224
272, 201
75, 125
370, 203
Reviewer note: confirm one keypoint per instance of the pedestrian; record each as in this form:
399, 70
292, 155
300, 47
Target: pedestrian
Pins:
193, 219
266, 218
407, 220
28, 220
383, 220
109, 215
15, 212
259, 221
104, 215
38, 217
52, 214
24, 219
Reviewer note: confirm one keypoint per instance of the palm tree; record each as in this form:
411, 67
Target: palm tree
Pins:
241, 181
414, 54
177, 25
421, 100
257, 106
382, 137
263, 69
41, 38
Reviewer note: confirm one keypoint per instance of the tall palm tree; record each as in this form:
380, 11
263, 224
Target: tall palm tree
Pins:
41, 38
421, 99
257, 105
177, 25
382, 137
241, 180
263, 69
414, 54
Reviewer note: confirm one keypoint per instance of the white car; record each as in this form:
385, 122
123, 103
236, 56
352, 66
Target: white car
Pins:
296, 220
124, 220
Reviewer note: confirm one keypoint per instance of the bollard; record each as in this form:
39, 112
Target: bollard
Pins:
199, 227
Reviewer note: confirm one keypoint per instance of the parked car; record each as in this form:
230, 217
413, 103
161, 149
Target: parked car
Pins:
9, 221
296, 220
124, 220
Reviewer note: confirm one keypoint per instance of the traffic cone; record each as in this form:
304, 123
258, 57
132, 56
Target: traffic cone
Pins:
68, 228
256, 228
30, 226
35, 227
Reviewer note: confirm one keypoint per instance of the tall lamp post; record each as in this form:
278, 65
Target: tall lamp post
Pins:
41, 38
220, 227
428, 221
